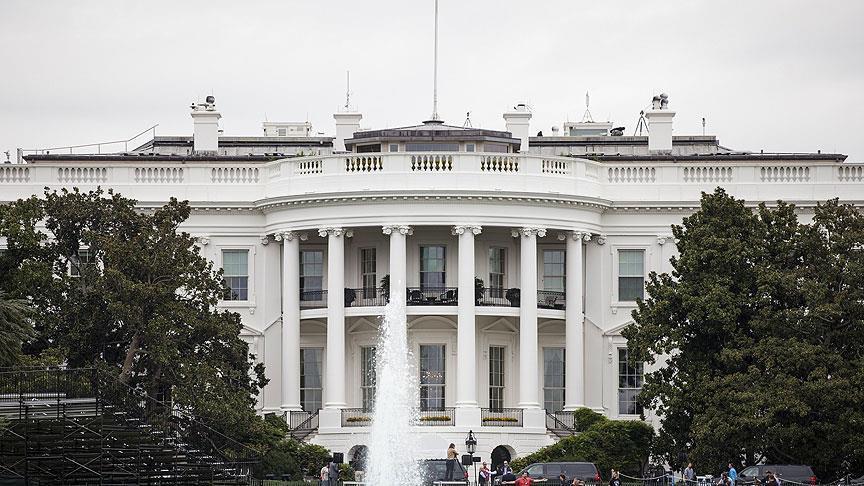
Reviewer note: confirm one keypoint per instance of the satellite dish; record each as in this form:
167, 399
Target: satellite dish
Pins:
210, 99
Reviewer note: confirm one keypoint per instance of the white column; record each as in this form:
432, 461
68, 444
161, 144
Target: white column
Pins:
290, 318
466, 345
334, 389
574, 394
529, 388
398, 259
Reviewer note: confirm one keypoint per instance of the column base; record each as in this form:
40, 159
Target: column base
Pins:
468, 417
534, 418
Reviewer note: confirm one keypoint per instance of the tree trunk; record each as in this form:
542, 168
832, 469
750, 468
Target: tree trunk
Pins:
126, 372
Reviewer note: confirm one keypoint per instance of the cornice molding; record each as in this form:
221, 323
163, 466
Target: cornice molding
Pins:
462, 228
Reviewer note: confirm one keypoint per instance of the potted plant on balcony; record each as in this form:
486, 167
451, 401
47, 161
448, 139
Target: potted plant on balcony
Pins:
513, 295
478, 290
385, 287
350, 296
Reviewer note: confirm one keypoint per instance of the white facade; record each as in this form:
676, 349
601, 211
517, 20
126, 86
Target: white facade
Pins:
574, 234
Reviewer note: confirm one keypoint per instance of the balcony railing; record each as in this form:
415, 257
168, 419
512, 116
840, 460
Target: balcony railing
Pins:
432, 296
497, 296
362, 417
501, 417
445, 416
366, 297
313, 299
550, 299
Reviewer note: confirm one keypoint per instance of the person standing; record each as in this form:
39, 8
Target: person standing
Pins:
485, 474
451, 461
689, 473
525, 480
334, 472
324, 475
733, 474
562, 478
614, 478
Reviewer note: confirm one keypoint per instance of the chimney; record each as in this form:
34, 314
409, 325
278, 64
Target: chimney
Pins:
346, 124
205, 119
517, 122
660, 125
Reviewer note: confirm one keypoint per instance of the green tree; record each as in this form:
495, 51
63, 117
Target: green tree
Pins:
759, 333
144, 301
15, 328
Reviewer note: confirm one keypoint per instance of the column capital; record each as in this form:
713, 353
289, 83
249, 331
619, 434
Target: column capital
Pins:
290, 236
400, 228
335, 231
662, 239
576, 235
265, 240
204, 240
459, 229
528, 232
600, 239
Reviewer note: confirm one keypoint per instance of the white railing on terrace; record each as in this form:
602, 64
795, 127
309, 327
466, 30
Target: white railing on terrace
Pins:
612, 180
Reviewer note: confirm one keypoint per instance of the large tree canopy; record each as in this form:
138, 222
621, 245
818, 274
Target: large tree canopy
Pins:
142, 300
760, 330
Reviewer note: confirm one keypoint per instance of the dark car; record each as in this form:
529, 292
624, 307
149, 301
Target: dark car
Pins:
786, 472
585, 471
432, 470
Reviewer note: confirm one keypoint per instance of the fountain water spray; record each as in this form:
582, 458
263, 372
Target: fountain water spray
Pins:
393, 448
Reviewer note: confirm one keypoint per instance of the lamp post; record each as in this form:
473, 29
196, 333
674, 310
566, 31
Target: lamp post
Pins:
471, 447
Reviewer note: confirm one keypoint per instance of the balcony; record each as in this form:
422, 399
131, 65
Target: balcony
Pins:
497, 297
313, 299
362, 417
501, 417
366, 297
551, 299
432, 296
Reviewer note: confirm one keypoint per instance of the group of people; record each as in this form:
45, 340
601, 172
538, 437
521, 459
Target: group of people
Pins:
329, 474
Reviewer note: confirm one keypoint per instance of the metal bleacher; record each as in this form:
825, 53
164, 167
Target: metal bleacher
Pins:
83, 426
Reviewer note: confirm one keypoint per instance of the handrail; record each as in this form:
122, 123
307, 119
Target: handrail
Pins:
559, 423
98, 145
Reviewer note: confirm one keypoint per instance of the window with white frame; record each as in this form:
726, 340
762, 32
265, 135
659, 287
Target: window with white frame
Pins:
630, 377
496, 377
553, 379
78, 263
368, 275
553, 270
367, 376
631, 275
311, 275
432, 377
497, 268
311, 382
432, 267
235, 268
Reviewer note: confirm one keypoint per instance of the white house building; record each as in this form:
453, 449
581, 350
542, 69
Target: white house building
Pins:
520, 258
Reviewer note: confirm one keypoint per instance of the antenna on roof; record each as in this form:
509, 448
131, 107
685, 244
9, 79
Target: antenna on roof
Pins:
435, 69
703, 126
642, 123
347, 90
587, 116
467, 123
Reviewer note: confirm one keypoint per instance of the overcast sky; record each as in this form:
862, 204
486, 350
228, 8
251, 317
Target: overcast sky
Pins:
783, 75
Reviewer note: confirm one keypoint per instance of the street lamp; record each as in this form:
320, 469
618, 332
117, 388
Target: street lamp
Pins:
471, 447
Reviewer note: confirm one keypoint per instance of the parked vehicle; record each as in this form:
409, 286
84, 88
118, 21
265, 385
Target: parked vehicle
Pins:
586, 471
433, 470
786, 472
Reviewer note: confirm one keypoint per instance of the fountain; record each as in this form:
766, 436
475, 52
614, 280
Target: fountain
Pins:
393, 448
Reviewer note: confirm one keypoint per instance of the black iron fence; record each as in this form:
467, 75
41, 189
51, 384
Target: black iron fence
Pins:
356, 417
550, 299
501, 417
366, 297
497, 296
443, 416
313, 299
432, 296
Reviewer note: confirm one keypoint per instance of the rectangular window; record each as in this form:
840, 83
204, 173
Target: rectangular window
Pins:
311, 382
553, 270
367, 376
394, 147
368, 275
629, 384
282, 132
431, 147
497, 268
496, 377
553, 379
235, 267
495, 147
469, 147
432, 267
311, 275
432, 376
631, 275
77, 263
